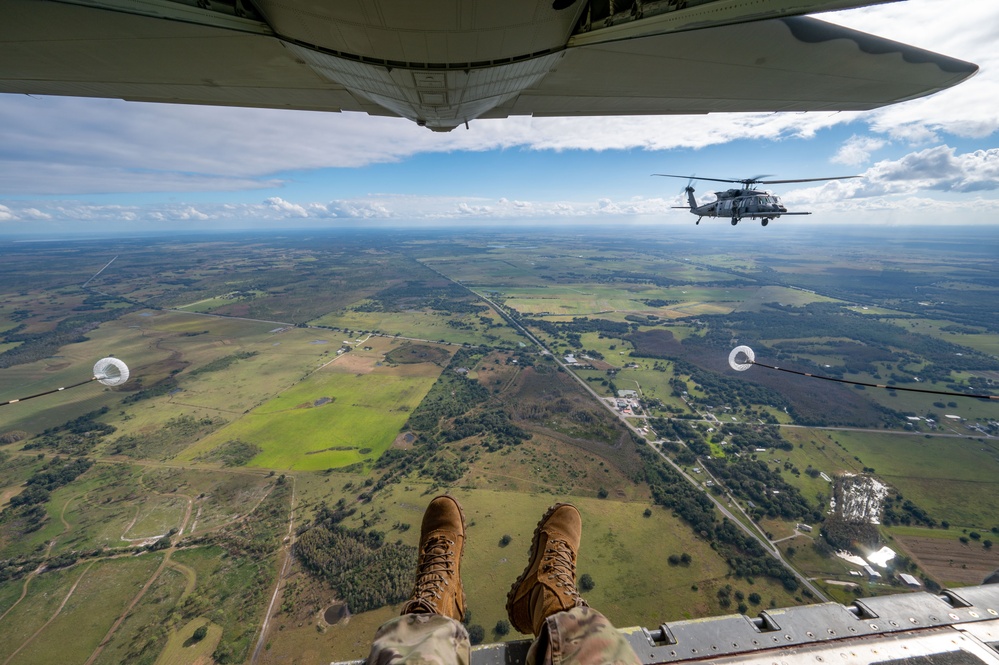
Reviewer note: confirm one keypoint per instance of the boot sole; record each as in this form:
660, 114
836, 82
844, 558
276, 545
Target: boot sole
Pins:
530, 564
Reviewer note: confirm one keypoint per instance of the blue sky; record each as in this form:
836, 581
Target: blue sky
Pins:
86, 165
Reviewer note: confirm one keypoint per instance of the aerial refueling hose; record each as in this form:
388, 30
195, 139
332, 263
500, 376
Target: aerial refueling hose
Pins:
742, 358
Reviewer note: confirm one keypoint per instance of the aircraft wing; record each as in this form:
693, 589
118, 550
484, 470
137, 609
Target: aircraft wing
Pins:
54, 48
441, 70
794, 64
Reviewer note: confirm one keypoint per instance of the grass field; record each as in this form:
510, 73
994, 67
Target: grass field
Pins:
46, 593
425, 325
984, 342
953, 479
599, 300
366, 413
779, 294
220, 495
140, 638
181, 649
232, 592
102, 592
10, 591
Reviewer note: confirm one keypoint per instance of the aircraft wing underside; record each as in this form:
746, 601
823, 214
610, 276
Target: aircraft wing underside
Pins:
795, 64
167, 51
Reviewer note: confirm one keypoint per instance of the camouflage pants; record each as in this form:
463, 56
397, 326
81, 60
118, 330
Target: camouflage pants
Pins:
581, 636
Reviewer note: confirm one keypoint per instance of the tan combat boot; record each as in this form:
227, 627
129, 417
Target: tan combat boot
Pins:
548, 585
438, 587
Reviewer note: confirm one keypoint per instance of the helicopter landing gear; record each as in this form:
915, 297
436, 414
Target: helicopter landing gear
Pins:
735, 220
765, 221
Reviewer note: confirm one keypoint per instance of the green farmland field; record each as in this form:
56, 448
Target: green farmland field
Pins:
367, 412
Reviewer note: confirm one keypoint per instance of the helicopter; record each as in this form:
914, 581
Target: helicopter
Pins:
737, 204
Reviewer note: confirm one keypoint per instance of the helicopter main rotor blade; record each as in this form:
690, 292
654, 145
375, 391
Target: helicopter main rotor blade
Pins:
781, 182
694, 177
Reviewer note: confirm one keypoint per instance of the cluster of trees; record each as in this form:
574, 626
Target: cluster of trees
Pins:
754, 480
722, 389
222, 363
835, 320
672, 428
580, 325
899, 510
233, 452
166, 440
167, 385
364, 570
748, 437
842, 535
679, 559
451, 395
74, 437
13, 436
421, 294
745, 556
493, 422
38, 345
26, 511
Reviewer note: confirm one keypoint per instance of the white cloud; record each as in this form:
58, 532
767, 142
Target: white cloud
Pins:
857, 150
965, 29
895, 191
285, 208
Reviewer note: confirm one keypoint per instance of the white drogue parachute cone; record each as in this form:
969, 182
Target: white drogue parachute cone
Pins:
111, 371
741, 366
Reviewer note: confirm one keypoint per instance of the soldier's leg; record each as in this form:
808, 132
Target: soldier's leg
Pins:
421, 638
430, 630
581, 636
544, 601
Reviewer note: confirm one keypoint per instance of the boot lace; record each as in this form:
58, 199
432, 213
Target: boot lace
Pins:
437, 567
560, 565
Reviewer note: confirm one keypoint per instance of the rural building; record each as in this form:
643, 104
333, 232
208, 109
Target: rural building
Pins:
871, 573
627, 394
909, 580
805, 527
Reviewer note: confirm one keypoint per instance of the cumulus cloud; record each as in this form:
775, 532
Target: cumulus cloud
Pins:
857, 150
967, 30
5, 214
902, 184
285, 208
